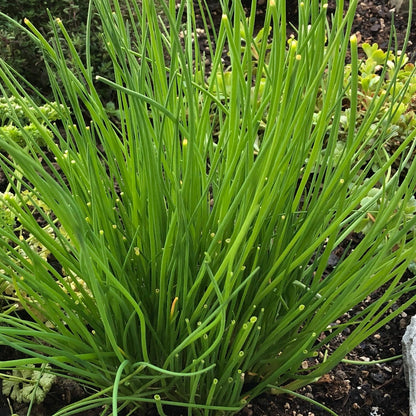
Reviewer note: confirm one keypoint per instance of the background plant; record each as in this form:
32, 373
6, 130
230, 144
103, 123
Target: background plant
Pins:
383, 73
16, 127
20, 52
195, 267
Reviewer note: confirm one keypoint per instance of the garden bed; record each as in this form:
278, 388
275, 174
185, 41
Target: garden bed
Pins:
375, 390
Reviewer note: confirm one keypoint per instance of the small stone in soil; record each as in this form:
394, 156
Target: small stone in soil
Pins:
378, 377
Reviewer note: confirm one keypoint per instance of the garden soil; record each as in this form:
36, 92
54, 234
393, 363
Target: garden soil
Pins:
349, 390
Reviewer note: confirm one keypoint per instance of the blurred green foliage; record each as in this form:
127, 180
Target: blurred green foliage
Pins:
19, 51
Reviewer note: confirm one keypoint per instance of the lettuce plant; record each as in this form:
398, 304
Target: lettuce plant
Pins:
188, 259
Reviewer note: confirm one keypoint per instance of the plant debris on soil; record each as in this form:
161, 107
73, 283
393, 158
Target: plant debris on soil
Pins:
349, 389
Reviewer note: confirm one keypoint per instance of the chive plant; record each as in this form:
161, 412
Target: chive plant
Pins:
189, 238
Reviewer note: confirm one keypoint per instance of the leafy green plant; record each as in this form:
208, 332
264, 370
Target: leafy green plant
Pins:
196, 268
28, 385
383, 74
378, 73
22, 127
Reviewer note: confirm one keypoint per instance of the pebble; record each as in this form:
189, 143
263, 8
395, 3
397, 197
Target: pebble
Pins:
374, 411
378, 377
340, 374
247, 411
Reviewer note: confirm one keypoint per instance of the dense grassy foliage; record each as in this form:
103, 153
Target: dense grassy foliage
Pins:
187, 241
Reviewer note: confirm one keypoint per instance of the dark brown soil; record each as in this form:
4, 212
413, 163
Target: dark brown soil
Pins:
367, 390
353, 390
